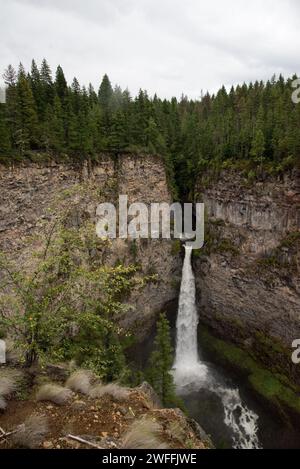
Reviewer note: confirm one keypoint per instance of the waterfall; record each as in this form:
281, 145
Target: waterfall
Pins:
191, 374
187, 367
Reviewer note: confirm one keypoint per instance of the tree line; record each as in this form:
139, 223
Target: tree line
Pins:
254, 124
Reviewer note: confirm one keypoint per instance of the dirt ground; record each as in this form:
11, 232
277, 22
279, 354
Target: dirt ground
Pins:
100, 421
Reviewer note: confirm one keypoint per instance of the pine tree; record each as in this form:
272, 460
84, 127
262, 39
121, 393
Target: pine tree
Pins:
27, 135
36, 86
141, 118
258, 148
5, 143
154, 139
10, 79
118, 136
47, 87
93, 98
94, 122
114, 358
76, 96
72, 130
60, 84
10, 76
105, 94
53, 134
161, 360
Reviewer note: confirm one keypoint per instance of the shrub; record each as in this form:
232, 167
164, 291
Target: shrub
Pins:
64, 290
143, 434
31, 433
54, 393
133, 249
226, 245
291, 240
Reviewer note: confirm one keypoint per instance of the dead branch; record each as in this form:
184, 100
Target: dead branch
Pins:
5, 435
85, 442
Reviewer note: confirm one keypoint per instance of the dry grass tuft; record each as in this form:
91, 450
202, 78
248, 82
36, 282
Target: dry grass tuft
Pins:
13, 353
80, 381
10, 380
143, 434
7, 386
3, 403
113, 390
176, 432
54, 393
31, 433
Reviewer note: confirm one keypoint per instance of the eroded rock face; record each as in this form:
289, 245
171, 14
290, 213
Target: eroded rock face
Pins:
263, 212
34, 196
249, 286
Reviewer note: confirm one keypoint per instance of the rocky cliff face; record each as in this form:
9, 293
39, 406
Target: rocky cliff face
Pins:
248, 281
34, 196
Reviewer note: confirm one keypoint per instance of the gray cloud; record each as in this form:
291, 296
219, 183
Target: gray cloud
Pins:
167, 46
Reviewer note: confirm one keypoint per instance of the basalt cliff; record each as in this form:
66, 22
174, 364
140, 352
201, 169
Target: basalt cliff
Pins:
248, 273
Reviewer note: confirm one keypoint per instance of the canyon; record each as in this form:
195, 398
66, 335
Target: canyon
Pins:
241, 295
247, 274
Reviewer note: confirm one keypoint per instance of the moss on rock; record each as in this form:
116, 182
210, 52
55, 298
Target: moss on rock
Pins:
273, 388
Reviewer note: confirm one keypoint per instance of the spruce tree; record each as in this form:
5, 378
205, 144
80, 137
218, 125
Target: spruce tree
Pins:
10, 76
161, 360
93, 98
154, 139
53, 135
47, 87
118, 135
258, 147
27, 121
36, 86
11, 111
60, 84
5, 143
72, 130
105, 94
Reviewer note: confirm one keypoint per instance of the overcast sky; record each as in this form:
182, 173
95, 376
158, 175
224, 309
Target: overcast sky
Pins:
165, 46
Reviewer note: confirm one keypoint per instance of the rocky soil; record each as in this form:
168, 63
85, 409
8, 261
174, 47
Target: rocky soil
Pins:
104, 422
